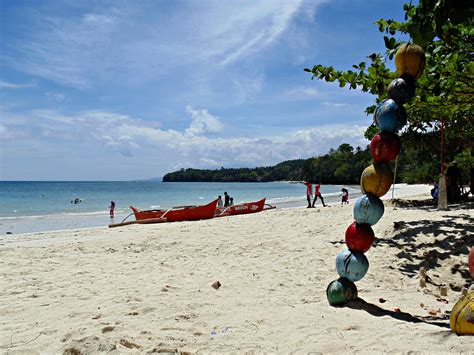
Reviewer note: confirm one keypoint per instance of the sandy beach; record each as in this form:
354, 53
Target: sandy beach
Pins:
147, 288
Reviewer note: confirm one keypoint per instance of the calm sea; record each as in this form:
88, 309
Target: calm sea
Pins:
40, 206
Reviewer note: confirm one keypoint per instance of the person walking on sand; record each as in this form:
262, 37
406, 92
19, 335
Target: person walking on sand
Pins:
309, 192
112, 209
317, 194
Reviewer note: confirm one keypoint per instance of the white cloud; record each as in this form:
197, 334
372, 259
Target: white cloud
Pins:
247, 88
8, 85
67, 50
303, 92
3, 130
94, 136
335, 104
128, 40
8, 133
202, 122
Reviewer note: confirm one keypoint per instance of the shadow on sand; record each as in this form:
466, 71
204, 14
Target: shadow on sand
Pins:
377, 311
454, 235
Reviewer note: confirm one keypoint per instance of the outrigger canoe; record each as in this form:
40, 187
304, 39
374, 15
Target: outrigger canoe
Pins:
175, 214
243, 208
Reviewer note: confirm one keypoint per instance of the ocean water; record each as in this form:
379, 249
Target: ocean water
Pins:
42, 206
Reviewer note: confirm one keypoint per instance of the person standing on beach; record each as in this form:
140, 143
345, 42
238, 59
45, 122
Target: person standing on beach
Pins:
317, 194
309, 192
226, 199
112, 209
219, 201
345, 196
453, 182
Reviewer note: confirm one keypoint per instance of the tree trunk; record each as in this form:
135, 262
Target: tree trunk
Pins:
442, 194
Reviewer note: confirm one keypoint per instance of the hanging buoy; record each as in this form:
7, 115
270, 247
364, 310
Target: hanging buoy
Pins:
385, 146
368, 209
352, 265
410, 59
341, 291
376, 179
401, 89
359, 237
462, 315
389, 116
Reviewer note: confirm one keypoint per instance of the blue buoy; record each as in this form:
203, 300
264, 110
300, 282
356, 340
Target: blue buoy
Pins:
352, 265
389, 116
368, 209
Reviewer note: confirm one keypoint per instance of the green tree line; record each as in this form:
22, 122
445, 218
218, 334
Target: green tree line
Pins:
285, 171
417, 163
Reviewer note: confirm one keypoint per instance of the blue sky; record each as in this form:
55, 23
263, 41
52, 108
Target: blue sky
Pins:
121, 90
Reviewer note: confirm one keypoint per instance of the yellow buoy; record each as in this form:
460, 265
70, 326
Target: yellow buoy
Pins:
462, 315
410, 59
376, 179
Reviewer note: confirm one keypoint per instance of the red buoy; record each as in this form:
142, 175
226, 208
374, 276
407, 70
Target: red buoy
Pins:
385, 146
359, 237
471, 262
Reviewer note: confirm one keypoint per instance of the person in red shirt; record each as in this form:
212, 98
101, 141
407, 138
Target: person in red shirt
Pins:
309, 192
345, 196
317, 194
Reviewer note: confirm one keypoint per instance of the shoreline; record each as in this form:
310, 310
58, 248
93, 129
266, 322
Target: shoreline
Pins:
58, 222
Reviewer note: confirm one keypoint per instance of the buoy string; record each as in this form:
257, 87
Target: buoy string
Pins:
347, 260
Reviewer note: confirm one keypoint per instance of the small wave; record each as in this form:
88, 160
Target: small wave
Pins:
55, 215
286, 199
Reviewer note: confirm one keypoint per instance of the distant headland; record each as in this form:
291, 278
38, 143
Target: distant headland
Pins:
287, 170
339, 166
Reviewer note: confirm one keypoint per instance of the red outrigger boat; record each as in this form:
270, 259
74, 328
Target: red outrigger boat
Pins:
192, 213
178, 214
243, 208
175, 214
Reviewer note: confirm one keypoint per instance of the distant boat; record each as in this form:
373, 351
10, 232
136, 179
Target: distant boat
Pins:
243, 208
174, 214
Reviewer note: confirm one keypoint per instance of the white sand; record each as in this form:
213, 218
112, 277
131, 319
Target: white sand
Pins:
148, 287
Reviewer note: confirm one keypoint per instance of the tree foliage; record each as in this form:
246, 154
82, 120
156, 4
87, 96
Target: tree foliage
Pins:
285, 171
341, 166
444, 28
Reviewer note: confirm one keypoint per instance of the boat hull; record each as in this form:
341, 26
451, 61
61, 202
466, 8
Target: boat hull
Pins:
243, 208
192, 213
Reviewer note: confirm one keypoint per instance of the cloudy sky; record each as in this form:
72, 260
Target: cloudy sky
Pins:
121, 90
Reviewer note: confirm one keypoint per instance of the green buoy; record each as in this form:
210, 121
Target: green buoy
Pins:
341, 291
